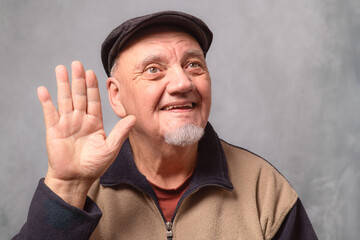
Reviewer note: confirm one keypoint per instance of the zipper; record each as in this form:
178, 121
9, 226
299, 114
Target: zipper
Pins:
168, 225
169, 233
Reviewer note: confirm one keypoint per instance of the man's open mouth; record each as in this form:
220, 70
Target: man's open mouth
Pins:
179, 107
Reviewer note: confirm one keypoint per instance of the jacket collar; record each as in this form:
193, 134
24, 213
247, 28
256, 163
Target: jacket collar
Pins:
211, 167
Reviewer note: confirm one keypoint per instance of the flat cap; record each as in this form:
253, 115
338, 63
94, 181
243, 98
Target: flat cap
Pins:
120, 35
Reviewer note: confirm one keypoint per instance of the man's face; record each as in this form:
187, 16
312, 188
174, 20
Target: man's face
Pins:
164, 82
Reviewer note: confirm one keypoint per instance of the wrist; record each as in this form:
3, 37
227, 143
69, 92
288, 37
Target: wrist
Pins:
73, 192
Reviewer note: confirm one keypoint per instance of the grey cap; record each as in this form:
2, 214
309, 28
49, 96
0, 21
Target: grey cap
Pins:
120, 35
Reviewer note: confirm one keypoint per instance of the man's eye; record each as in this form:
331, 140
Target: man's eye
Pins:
194, 65
195, 68
153, 70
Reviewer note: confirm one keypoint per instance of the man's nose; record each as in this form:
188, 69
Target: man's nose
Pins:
180, 81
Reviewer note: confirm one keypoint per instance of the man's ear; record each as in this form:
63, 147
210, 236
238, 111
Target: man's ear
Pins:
114, 93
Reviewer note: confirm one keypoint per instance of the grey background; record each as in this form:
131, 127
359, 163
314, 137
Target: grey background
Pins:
285, 86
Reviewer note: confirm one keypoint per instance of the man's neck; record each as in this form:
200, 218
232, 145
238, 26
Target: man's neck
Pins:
162, 164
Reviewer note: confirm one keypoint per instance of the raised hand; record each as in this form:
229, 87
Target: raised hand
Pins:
78, 150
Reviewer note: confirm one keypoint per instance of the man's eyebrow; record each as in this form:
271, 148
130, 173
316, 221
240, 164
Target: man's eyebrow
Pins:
193, 53
150, 59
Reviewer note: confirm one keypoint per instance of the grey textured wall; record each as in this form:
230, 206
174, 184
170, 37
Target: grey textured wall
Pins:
286, 85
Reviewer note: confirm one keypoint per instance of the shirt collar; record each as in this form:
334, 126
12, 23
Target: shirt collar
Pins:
211, 168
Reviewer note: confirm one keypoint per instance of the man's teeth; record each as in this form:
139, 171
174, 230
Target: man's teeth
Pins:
189, 105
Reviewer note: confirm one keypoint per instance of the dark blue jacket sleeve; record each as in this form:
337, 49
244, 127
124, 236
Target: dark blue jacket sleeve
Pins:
50, 217
296, 225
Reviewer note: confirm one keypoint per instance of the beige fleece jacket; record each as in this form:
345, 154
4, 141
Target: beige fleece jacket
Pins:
255, 208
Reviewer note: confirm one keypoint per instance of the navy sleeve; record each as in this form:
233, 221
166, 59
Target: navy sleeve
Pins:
296, 225
50, 217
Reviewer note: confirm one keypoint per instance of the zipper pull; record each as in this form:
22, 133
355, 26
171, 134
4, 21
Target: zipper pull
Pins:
169, 232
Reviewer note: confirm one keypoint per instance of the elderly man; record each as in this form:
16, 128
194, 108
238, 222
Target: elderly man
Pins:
162, 172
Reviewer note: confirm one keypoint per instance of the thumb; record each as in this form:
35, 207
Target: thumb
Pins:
120, 132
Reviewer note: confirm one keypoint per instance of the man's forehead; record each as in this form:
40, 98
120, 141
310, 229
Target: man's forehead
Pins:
162, 57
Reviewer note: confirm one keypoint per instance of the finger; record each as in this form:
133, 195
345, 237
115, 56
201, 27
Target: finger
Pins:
93, 95
64, 94
78, 87
120, 132
51, 115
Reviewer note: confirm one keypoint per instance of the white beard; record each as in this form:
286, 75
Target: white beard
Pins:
184, 135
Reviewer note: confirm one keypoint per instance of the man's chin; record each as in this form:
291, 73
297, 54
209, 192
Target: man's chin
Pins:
184, 135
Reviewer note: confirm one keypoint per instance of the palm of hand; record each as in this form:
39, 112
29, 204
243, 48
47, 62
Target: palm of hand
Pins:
77, 147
